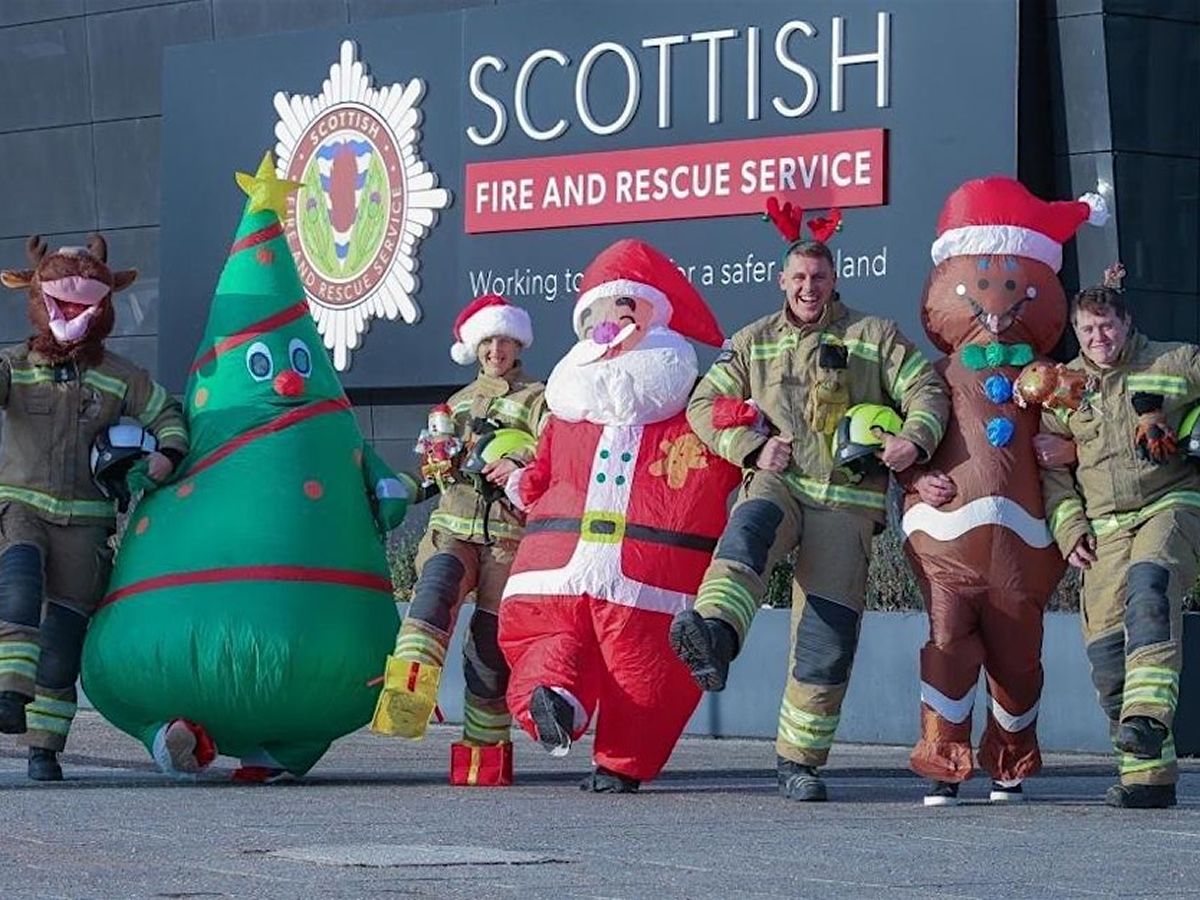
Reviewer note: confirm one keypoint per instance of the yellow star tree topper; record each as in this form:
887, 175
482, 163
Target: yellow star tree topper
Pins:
265, 189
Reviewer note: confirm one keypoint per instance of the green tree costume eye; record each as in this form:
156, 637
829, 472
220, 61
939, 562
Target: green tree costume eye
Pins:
259, 362
301, 358
251, 595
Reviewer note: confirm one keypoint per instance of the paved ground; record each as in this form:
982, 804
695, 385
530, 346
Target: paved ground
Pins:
713, 827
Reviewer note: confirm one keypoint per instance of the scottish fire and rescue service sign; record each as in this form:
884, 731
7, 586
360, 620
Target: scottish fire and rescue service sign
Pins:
366, 203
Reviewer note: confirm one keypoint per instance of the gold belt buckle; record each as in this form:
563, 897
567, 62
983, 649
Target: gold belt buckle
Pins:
602, 527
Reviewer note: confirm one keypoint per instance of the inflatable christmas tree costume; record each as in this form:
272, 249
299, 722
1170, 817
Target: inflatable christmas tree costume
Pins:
251, 605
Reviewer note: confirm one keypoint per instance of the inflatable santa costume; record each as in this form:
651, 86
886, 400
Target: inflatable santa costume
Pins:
625, 505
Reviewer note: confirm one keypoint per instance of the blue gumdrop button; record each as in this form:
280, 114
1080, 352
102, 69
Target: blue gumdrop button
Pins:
1000, 432
998, 389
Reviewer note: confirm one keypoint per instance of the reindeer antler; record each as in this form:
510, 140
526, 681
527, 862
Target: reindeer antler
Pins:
97, 247
1114, 275
787, 218
35, 249
823, 229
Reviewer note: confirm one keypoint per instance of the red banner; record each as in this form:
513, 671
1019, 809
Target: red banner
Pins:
684, 181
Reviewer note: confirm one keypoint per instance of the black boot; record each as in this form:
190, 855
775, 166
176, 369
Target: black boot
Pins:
12, 712
706, 647
553, 718
1142, 737
942, 793
1141, 796
602, 781
797, 782
43, 765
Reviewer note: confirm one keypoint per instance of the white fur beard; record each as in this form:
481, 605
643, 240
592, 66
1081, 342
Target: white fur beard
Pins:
647, 384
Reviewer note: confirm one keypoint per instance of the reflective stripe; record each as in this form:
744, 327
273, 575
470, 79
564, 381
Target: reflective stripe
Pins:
824, 492
465, 527
772, 349
517, 412
727, 437
97, 509
415, 646
1152, 383
38, 375
461, 408
1110, 524
929, 420
914, 366
1064, 512
1127, 764
955, 711
725, 595
114, 386
725, 383
19, 658
806, 730
1151, 686
862, 349
172, 431
52, 707
154, 406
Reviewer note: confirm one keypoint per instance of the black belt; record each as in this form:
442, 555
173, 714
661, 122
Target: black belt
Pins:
601, 526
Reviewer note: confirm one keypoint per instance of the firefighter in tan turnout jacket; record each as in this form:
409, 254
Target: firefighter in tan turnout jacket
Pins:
802, 367
454, 558
1129, 518
59, 390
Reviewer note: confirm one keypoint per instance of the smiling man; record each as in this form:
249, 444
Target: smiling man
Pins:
1129, 518
801, 369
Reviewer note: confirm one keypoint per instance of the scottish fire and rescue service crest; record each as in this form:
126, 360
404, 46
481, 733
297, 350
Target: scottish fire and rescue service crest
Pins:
367, 199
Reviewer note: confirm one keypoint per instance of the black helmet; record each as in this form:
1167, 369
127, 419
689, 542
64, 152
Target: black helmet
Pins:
114, 451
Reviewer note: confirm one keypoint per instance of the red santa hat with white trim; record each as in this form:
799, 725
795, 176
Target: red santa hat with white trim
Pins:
485, 317
633, 268
999, 216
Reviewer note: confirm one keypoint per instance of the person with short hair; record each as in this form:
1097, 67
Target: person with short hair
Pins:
1128, 517
803, 368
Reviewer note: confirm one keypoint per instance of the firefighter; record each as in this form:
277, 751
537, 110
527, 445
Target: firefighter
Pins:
1129, 518
470, 542
803, 368
60, 390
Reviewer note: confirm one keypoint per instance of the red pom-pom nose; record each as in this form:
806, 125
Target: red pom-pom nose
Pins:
289, 384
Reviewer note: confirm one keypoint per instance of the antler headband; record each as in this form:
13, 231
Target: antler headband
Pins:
788, 217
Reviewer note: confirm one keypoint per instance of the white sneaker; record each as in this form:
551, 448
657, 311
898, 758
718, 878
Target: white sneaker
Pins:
942, 793
1007, 792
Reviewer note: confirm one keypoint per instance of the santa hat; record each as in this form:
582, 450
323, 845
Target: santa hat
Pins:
632, 268
998, 216
485, 317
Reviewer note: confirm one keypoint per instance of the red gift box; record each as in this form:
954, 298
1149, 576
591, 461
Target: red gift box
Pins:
490, 765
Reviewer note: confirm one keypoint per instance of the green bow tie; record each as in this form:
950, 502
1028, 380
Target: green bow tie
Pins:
993, 355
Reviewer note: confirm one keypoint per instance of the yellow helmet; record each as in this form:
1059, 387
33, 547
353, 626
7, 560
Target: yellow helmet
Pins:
860, 434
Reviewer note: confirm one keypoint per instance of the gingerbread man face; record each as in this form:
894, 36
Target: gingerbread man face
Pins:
985, 298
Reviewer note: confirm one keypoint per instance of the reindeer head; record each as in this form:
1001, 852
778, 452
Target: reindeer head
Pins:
70, 295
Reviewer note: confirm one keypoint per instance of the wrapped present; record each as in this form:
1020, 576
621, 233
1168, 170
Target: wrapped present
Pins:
408, 698
481, 765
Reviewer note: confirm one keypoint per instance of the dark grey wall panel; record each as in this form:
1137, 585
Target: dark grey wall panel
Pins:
1165, 317
103, 6
361, 10
46, 181
137, 305
390, 422
1079, 93
1153, 73
1093, 248
237, 18
18, 12
127, 171
44, 70
1178, 10
141, 350
125, 54
1159, 207
1058, 8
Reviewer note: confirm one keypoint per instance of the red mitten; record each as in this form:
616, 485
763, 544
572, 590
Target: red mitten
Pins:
730, 412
